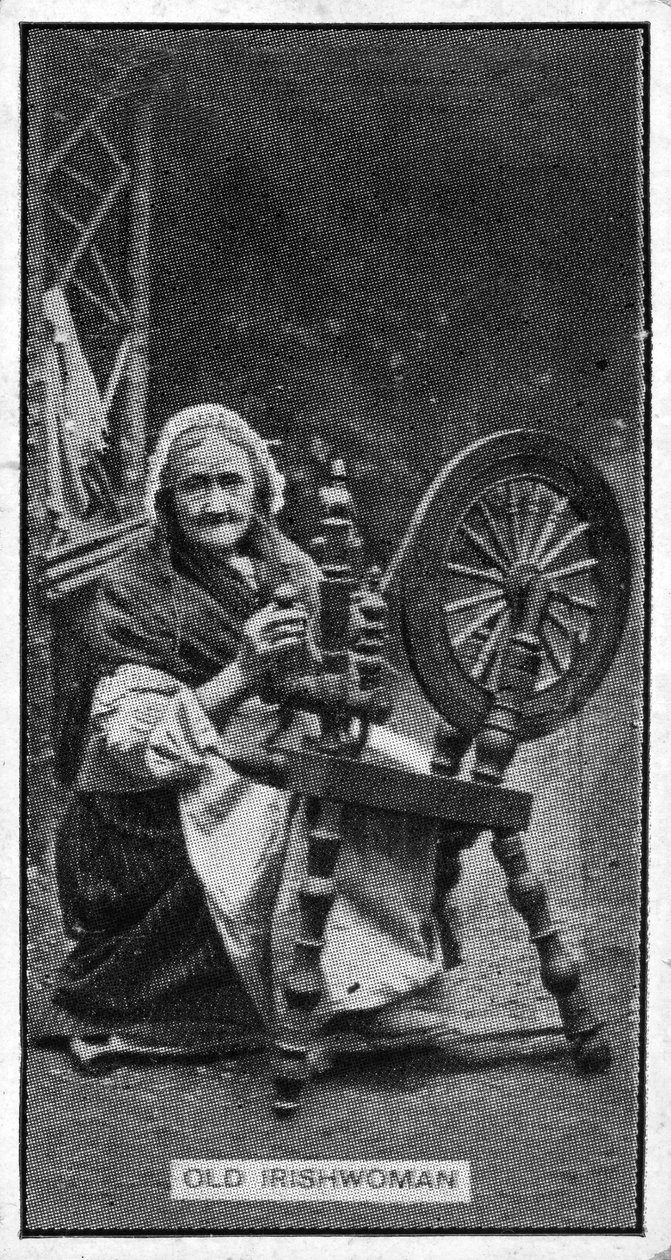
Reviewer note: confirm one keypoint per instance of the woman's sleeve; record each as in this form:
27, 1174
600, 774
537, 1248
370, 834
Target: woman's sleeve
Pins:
150, 728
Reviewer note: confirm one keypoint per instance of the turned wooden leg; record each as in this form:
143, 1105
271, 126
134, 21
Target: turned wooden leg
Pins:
302, 987
495, 748
560, 972
449, 748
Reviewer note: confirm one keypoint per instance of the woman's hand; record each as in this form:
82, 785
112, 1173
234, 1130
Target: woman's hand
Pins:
267, 637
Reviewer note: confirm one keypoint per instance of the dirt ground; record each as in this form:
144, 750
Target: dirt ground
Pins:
549, 1149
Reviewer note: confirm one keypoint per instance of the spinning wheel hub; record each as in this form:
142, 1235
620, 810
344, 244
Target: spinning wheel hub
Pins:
518, 583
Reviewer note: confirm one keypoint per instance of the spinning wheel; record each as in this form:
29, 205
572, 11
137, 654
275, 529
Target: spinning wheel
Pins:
514, 594
511, 509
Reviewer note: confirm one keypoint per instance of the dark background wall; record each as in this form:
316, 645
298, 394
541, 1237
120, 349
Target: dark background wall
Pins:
388, 242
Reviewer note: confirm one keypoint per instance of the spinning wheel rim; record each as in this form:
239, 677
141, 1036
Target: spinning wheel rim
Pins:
516, 456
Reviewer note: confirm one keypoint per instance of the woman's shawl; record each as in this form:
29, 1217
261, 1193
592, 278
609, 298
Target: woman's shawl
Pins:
171, 614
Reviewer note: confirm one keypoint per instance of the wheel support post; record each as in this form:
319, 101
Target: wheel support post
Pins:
495, 748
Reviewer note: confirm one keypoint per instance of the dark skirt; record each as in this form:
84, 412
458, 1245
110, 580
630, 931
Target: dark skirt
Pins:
146, 952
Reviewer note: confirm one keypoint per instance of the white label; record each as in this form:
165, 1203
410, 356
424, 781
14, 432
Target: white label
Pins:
343, 1181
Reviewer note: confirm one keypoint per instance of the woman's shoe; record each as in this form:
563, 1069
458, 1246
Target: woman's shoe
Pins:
412, 1025
417, 1021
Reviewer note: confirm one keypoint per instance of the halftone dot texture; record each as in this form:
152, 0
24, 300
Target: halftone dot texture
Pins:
385, 244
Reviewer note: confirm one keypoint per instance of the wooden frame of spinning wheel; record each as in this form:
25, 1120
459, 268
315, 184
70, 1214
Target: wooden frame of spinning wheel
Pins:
455, 809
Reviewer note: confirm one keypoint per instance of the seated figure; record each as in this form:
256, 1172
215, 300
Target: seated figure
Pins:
177, 875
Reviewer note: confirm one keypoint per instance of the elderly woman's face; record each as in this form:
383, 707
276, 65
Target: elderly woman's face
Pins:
214, 493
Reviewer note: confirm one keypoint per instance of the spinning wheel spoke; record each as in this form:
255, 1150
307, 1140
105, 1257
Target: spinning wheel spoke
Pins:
501, 545
481, 546
499, 503
571, 570
558, 665
577, 532
480, 621
574, 601
514, 517
493, 576
471, 601
489, 655
533, 507
568, 633
548, 529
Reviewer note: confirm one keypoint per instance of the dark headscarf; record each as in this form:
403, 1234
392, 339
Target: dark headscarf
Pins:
168, 606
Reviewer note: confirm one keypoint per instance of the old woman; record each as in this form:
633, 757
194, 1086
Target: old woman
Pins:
178, 875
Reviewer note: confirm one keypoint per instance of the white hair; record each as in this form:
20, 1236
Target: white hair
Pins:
230, 424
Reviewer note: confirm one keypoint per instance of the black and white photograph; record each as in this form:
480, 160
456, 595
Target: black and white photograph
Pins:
335, 459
